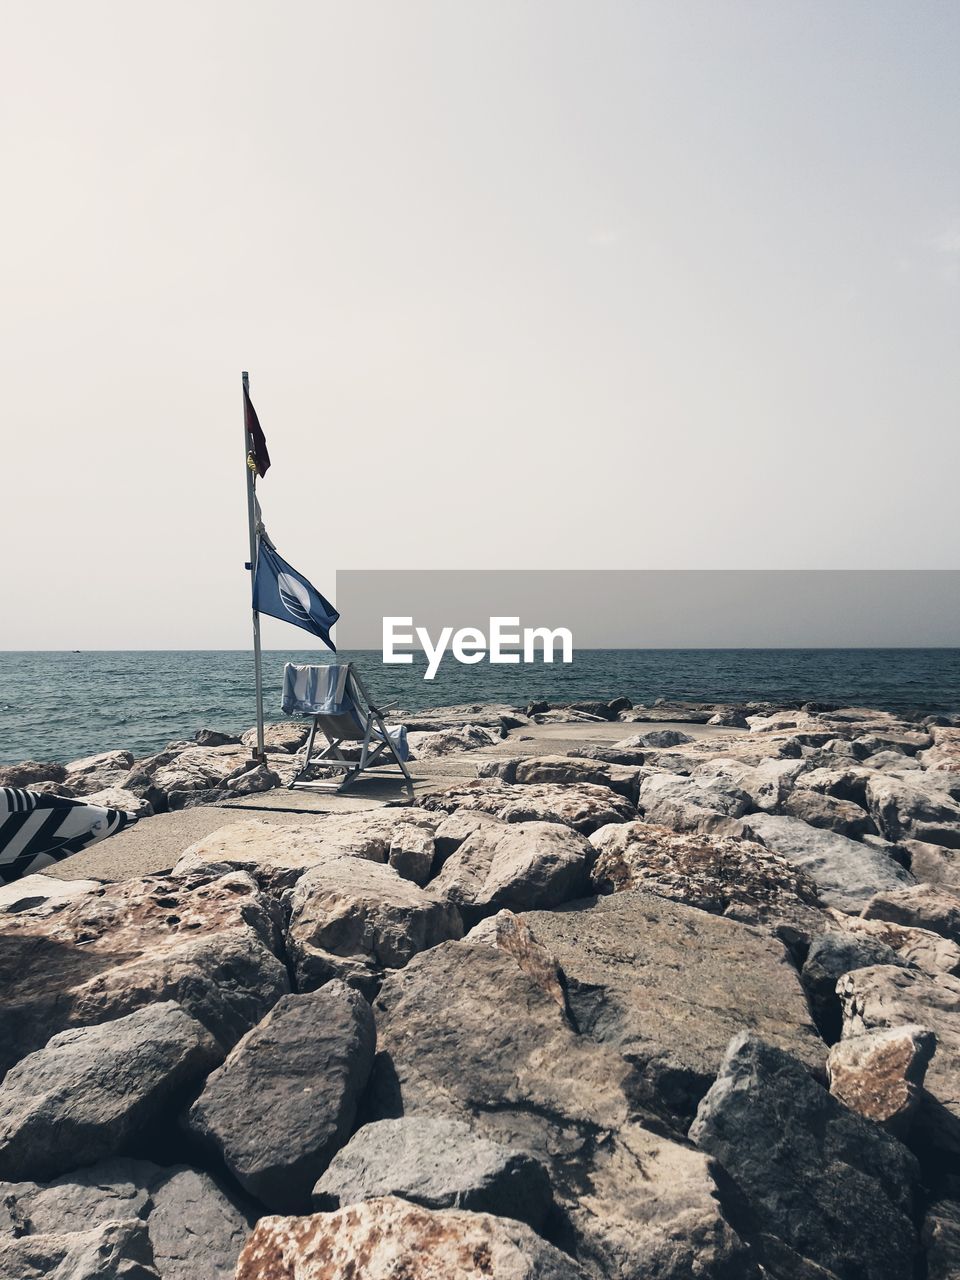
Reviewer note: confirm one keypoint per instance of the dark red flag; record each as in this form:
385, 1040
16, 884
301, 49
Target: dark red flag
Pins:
258, 441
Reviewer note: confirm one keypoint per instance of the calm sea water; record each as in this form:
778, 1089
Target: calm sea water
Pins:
58, 706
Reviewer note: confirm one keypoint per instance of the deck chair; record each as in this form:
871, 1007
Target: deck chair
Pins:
334, 697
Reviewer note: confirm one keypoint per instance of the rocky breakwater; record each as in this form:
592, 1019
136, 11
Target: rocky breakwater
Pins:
667, 1006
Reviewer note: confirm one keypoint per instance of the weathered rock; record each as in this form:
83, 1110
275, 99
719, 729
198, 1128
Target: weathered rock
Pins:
503, 1058
884, 996
276, 856
614, 754
730, 717
918, 947
594, 708
737, 878
579, 805
32, 892
391, 1238
28, 773
831, 955
667, 986
520, 866
933, 864
286, 1098
846, 872
287, 735
456, 827
99, 772
533, 770
512, 934
663, 712
658, 738
847, 783
829, 812
944, 755
194, 1228
253, 781
437, 1163
214, 738
833, 1187
354, 919
120, 798
209, 944
197, 768
693, 804
918, 906
497, 716
940, 1236
880, 1074
447, 742
91, 1089
767, 784
111, 1251
914, 810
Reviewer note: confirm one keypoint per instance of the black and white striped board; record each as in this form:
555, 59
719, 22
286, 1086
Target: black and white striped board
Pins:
37, 830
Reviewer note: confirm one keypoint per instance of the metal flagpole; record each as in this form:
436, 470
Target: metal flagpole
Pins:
251, 470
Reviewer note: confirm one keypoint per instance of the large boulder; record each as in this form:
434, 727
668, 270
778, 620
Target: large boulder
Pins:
278, 855
200, 768
884, 996
552, 770
448, 742
583, 806
391, 1238
829, 812
944, 755
30, 773
194, 1228
209, 943
286, 1098
355, 920
287, 735
90, 1090
767, 784
114, 797
518, 865
110, 1251
832, 954
880, 1074
919, 906
918, 809
933, 864
702, 805
844, 782
822, 1185
438, 1163
727, 876
95, 773
846, 872
924, 950
275, 855
503, 1058
667, 986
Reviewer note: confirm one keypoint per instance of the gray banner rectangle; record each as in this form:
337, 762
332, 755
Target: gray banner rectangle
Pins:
664, 609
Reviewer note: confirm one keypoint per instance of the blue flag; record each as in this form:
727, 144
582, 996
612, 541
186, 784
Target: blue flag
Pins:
281, 592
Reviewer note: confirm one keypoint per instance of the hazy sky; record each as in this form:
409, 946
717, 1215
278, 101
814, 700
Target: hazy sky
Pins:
619, 285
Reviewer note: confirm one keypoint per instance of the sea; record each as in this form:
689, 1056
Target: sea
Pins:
61, 706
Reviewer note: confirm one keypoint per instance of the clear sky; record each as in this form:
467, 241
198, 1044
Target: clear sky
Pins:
562, 285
